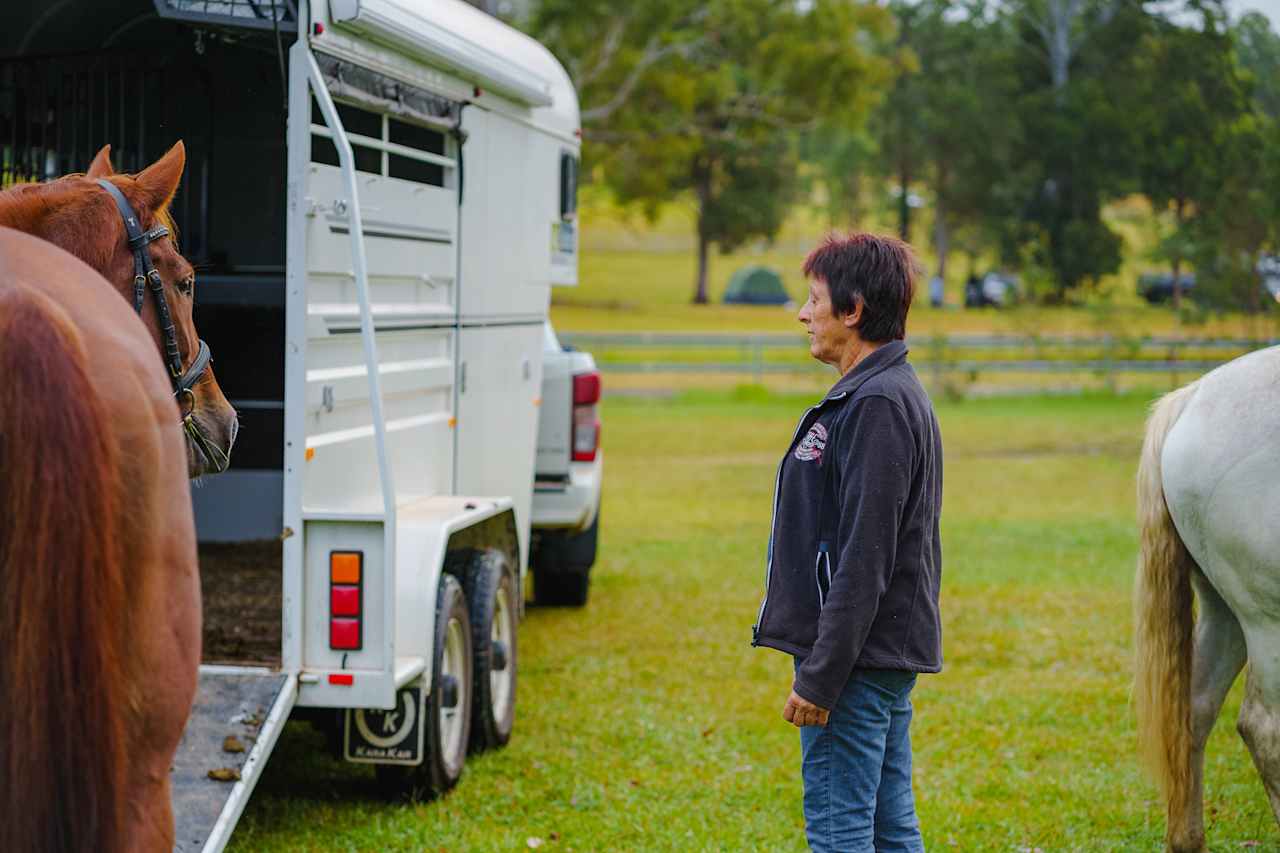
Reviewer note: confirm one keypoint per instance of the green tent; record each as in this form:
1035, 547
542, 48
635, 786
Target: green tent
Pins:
756, 286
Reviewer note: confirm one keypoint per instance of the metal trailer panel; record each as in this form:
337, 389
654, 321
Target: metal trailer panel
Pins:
248, 703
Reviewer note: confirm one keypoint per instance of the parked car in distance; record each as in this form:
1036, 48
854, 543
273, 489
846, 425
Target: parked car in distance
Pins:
1158, 287
567, 476
996, 289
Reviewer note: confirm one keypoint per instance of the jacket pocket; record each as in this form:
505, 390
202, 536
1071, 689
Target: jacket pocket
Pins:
822, 572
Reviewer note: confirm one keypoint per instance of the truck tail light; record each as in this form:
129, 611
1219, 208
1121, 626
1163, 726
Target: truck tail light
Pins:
346, 600
586, 417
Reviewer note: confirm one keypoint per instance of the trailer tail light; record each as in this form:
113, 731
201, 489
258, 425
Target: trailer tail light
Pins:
586, 416
346, 600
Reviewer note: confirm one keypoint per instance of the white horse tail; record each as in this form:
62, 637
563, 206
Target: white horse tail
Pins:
1163, 620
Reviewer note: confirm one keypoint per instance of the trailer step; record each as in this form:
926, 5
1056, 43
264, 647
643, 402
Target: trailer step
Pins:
237, 716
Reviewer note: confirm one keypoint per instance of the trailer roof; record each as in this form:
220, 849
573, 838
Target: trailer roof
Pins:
459, 38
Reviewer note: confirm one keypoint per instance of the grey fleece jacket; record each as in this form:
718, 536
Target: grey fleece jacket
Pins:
855, 561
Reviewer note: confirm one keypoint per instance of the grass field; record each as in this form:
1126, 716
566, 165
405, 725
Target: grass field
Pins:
646, 722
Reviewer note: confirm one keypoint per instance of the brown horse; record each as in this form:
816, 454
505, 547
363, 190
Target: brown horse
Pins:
79, 215
99, 591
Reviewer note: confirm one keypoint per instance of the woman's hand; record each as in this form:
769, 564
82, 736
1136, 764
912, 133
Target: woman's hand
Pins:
801, 712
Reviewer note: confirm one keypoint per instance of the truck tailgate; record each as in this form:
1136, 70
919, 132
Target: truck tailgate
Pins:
249, 704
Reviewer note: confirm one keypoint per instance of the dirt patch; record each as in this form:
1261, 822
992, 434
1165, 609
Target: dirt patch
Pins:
241, 586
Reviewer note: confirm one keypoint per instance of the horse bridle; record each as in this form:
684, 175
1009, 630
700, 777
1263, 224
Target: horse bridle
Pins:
144, 274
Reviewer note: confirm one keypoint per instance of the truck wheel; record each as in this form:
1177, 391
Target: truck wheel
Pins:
562, 571
448, 712
562, 589
491, 585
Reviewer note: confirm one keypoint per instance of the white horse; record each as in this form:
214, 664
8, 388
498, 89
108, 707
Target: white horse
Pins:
1209, 511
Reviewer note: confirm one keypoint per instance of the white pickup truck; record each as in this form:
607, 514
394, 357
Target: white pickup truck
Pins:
568, 473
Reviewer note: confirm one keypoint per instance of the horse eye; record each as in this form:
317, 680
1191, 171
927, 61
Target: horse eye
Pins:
187, 285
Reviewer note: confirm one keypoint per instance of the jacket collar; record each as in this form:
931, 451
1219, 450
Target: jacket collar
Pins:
886, 356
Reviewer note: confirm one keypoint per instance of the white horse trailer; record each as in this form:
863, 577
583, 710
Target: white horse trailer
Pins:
378, 195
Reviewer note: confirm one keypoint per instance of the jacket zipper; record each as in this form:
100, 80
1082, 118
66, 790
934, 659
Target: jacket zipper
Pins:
773, 521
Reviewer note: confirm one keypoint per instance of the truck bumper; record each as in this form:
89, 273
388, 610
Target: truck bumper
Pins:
569, 504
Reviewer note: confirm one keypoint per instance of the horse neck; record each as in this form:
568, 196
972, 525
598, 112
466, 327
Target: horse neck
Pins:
34, 209
22, 209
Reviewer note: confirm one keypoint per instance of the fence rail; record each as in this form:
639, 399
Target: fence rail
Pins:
1105, 356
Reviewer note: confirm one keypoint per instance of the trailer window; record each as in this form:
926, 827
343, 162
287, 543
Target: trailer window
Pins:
568, 186
355, 122
385, 146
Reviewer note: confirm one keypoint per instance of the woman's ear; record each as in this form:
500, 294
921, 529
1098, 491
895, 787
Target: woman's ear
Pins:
853, 319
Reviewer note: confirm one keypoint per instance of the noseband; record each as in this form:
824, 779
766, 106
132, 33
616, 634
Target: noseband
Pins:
144, 273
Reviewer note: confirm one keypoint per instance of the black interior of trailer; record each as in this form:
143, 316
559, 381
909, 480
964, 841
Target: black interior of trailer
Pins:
141, 75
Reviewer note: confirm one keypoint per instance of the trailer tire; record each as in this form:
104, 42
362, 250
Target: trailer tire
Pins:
448, 728
495, 614
562, 569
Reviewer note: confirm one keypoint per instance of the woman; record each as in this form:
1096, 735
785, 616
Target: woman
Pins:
854, 559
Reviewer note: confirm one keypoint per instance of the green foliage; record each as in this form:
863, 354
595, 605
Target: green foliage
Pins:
709, 98
1016, 122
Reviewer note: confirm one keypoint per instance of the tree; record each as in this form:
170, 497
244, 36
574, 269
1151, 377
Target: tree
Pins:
709, 98
1078, 144
1196, 95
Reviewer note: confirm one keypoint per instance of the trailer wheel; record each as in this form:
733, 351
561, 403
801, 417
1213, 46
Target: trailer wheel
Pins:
449, 705
491, 585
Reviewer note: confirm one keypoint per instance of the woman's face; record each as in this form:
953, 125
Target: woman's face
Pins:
830, 336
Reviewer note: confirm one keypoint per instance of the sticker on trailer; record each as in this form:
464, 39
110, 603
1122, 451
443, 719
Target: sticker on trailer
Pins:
387, 737
562, 242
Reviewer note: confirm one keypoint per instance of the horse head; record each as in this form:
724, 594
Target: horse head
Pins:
78, 214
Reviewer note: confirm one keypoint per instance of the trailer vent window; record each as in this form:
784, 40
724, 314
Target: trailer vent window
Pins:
386, 146
357, 123
346, 600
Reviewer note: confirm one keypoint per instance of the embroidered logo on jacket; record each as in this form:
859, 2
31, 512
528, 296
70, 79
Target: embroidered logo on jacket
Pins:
811, 446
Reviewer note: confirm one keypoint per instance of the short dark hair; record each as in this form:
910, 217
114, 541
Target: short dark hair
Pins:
880, 272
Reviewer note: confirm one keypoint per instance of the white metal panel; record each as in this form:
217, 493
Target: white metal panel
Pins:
508, 203
497, 415
410, 232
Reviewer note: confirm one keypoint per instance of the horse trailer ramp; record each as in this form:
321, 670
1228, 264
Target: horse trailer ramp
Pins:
238, 714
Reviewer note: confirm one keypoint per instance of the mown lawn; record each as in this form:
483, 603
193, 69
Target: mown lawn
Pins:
646, 721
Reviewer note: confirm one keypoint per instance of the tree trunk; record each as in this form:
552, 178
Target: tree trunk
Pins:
941, 241
904, 201
702, 187
1179, 213
700, 294
941, 237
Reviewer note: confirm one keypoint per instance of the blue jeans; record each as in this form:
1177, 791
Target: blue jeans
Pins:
857, 769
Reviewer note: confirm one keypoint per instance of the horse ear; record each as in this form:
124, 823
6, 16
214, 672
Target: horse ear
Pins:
159, 181
101, 165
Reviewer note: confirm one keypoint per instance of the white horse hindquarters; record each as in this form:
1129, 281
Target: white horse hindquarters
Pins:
1221, 478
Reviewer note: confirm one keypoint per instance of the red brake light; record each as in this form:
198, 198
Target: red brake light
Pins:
586, 389
586, 416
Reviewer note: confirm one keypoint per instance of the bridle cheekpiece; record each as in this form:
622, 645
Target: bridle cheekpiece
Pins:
144, 273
